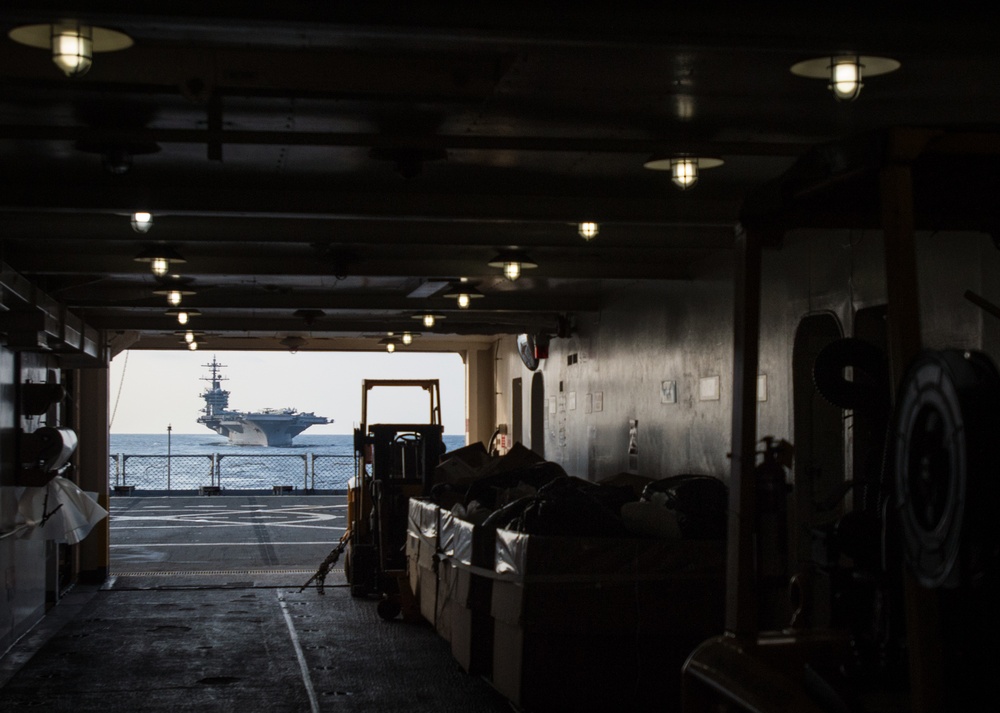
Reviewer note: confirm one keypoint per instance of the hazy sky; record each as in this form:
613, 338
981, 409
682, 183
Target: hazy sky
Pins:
162, 388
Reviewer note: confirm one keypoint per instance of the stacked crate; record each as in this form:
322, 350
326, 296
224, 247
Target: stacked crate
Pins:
600, 623
464, 592
422, 554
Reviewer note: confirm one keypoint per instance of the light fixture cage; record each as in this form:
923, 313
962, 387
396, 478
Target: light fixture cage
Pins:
512, 262
189, 335
183, 315
390, 343
845, 72
684, 172
174, 295
160, 258
464, 294
141, 221
72, 48
685, 169
428, 319
588, 230
72, 43
293, 343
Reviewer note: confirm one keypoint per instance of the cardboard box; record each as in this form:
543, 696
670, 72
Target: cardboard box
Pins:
427, 593
464, 602
412, 557
422, 554
586, 623
465, 542
446, 585
462, 465
516, 458
472, 639
464, 596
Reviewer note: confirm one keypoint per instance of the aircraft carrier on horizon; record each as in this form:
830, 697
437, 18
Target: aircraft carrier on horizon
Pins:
267, 427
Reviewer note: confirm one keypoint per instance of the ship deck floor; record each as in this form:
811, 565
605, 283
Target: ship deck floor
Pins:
203, 613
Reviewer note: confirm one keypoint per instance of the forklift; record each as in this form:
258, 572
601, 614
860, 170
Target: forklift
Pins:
394, 462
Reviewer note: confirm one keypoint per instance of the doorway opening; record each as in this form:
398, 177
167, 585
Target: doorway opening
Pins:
538, 414
516, 410
190, 505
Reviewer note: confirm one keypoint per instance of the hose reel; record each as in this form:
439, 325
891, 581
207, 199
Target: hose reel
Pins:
946, 440
869, 387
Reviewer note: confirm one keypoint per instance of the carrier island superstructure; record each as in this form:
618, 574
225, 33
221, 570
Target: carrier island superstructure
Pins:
267, 427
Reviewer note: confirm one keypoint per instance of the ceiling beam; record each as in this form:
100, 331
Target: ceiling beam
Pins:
519, 301
662, 264
582, 144
311, 201
331, 325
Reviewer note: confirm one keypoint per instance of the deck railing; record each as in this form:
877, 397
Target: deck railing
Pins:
305, 472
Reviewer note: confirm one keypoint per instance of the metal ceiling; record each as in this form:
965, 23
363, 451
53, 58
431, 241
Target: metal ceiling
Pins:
357, 160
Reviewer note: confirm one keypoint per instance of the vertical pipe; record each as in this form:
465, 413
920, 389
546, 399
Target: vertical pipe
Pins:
169, 428
305, 474
922, 606
91, 417
741, 591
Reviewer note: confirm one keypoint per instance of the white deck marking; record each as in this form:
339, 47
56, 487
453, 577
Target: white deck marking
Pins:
196, 526
300, 655
218, 544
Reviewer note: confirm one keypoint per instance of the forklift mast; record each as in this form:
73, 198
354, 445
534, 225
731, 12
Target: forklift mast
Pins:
395, 461
401, 451
431, 386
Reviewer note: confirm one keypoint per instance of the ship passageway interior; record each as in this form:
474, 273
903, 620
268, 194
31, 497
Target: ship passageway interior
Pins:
724, 287
205, 611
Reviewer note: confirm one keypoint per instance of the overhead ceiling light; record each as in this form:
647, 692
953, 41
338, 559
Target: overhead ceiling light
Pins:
684, 170
390, 344
160, 258
428, 319
512, 262
189, 335
174, 295
309, 316
407, 337
192, 340
142, 221
72, 43
464, 293
183, 315
845, 72
116, 156
293, 343
588, 230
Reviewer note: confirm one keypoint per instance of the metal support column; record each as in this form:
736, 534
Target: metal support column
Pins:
741, 590
923, 625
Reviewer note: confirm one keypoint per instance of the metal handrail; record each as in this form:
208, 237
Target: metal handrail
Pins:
232, 471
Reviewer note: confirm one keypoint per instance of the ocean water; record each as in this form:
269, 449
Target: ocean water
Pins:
156, 444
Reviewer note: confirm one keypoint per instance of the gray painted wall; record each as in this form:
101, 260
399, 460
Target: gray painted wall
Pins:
650, 332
